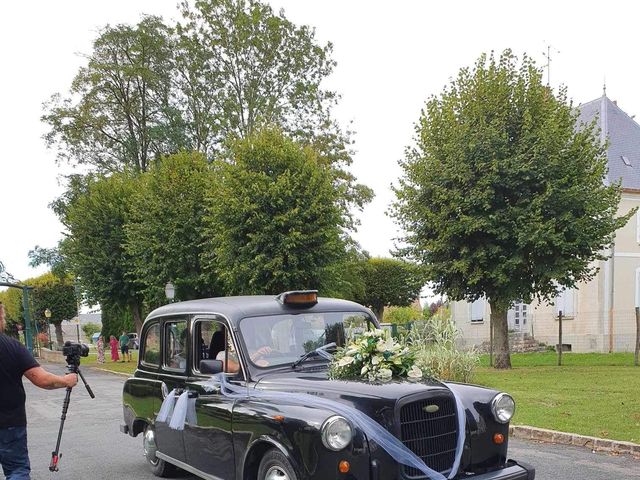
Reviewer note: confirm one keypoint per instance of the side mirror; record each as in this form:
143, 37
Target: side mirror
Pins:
210, 366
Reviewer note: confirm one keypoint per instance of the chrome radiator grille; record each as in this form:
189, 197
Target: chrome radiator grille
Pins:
428, 427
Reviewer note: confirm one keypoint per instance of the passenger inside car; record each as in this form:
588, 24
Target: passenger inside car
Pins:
218, 351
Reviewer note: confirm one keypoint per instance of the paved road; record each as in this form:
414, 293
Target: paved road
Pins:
93, 447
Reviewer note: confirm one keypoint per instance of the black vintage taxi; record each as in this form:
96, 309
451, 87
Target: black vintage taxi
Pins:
262, 344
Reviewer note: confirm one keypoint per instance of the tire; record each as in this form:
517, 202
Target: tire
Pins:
158, 467
275, 466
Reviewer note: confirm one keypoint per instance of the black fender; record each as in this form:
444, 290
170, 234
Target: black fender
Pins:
256, 451
295, 431
141, 400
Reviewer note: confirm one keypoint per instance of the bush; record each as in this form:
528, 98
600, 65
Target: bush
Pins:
436, 353
90, 328
402, 315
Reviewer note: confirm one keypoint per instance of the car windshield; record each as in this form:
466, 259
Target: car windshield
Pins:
281, 339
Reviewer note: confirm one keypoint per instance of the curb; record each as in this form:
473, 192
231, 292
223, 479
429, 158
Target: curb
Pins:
122, 374
594, 443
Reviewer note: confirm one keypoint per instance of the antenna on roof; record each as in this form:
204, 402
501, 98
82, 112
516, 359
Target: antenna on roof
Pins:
547, 55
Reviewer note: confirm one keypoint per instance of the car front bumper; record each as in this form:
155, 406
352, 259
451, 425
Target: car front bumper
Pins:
513, 471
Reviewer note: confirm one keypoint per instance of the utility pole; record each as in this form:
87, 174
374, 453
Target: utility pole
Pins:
560, 338
637, 352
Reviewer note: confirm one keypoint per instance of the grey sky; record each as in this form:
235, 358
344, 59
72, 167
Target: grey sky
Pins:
391, 57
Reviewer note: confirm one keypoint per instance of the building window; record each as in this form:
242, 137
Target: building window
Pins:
477, 310
565, 302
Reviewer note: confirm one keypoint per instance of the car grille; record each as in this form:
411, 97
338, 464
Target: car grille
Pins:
431, 436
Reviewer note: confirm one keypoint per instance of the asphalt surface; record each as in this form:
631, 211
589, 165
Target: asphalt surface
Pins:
93, 447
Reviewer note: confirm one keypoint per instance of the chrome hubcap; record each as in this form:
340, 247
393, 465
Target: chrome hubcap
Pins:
149, 444
276, 473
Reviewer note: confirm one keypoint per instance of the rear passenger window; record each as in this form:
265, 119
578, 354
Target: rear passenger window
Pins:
151, 346
175, 337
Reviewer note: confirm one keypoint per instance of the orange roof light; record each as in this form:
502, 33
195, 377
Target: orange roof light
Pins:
299, 297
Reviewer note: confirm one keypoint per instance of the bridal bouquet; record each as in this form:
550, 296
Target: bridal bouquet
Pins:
374, 356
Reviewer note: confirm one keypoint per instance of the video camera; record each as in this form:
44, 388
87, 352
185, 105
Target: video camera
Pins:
73, 352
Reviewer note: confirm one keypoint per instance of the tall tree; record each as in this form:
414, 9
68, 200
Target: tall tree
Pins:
260, 69
164, 234
502, 196
95, 215
120, 112
275, 222
390, 282
56, 294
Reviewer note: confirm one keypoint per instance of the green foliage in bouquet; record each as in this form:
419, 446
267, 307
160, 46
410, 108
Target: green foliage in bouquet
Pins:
374, 356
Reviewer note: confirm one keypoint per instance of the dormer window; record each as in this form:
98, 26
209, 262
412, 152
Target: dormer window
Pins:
626, 161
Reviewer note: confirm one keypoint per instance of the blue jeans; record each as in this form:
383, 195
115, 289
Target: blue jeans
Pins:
14, 456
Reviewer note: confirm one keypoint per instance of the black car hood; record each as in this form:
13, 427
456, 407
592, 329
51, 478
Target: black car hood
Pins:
318, 383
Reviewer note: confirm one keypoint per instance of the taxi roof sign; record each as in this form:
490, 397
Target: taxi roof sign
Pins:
301, 298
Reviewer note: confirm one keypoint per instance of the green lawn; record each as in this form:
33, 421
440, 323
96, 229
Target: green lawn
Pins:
591, 394
126, 367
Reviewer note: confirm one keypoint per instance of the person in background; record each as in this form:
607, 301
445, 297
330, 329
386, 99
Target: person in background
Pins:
114, 349
16, 362
100, 349
124, 347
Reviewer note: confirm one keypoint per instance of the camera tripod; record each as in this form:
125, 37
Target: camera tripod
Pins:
72, 367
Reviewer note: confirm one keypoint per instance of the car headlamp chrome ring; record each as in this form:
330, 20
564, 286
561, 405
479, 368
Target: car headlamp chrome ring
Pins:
503, 407
336, 433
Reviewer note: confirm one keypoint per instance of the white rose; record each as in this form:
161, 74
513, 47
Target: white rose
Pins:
364, 370
375, 360
414, 373
346, 360
384, 374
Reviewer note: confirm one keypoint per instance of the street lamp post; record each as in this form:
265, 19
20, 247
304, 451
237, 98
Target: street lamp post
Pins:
170, 291
47, 314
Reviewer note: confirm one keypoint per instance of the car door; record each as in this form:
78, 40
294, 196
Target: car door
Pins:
173, 373
209, 439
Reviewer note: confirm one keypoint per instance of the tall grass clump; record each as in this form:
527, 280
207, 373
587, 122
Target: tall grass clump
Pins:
435, 345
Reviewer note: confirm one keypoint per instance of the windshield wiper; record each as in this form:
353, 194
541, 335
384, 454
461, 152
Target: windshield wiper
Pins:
318, 352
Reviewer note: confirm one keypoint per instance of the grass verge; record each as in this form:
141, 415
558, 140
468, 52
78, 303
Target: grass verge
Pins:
591, 394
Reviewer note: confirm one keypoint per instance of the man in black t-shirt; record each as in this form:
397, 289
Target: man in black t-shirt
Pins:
16, 361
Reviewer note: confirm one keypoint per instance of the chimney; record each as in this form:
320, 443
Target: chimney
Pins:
615, 102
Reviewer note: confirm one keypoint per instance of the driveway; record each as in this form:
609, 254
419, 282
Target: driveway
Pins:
93, 447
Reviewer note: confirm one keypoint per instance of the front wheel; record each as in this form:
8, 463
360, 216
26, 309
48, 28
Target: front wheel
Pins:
158, 467
275, 466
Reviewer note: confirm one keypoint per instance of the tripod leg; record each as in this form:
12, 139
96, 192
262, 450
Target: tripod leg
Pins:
85, 383
55, 455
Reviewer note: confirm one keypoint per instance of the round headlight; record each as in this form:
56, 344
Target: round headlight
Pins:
336, 433
503, 407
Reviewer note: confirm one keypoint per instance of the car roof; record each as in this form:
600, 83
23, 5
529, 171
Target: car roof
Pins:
237, 308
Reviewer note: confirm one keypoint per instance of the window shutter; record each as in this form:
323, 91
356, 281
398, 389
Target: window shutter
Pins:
477, 310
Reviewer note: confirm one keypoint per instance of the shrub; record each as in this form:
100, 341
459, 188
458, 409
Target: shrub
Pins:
402, 315
90, 328
436, 353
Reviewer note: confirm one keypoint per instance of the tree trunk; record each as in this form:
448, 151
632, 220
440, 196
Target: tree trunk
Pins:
59, 338
136, 312
502, 359
379, 312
